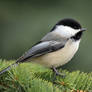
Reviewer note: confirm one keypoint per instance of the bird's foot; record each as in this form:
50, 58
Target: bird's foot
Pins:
63, 75
58, 73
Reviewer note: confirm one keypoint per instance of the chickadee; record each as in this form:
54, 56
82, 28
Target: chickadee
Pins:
56, 48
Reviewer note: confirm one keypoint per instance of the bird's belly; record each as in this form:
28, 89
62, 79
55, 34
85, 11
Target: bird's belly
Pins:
58, 58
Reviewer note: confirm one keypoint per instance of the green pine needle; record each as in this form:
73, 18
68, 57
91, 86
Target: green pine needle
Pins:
28, 77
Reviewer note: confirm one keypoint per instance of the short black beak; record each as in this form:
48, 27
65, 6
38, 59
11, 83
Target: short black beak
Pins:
83, 29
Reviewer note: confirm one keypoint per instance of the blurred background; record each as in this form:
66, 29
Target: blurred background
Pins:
23, 23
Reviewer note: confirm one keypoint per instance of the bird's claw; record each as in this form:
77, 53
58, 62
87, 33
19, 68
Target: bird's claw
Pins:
61, 74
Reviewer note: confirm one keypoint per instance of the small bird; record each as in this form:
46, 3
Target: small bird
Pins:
56, 48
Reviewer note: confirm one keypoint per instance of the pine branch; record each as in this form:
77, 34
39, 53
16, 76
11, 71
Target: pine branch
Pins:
29, 77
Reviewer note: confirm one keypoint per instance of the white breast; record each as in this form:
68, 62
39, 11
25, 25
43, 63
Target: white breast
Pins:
60, 57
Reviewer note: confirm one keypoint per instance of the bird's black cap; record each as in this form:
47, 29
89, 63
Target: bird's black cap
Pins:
70, 22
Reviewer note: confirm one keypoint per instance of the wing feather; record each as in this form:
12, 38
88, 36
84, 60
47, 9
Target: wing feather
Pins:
41, 49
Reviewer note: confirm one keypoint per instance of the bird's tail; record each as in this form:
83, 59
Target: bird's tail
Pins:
8, 68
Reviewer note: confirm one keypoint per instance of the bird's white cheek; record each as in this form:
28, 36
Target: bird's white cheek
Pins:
65, 31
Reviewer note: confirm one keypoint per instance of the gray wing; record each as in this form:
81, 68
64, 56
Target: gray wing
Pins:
41, 49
